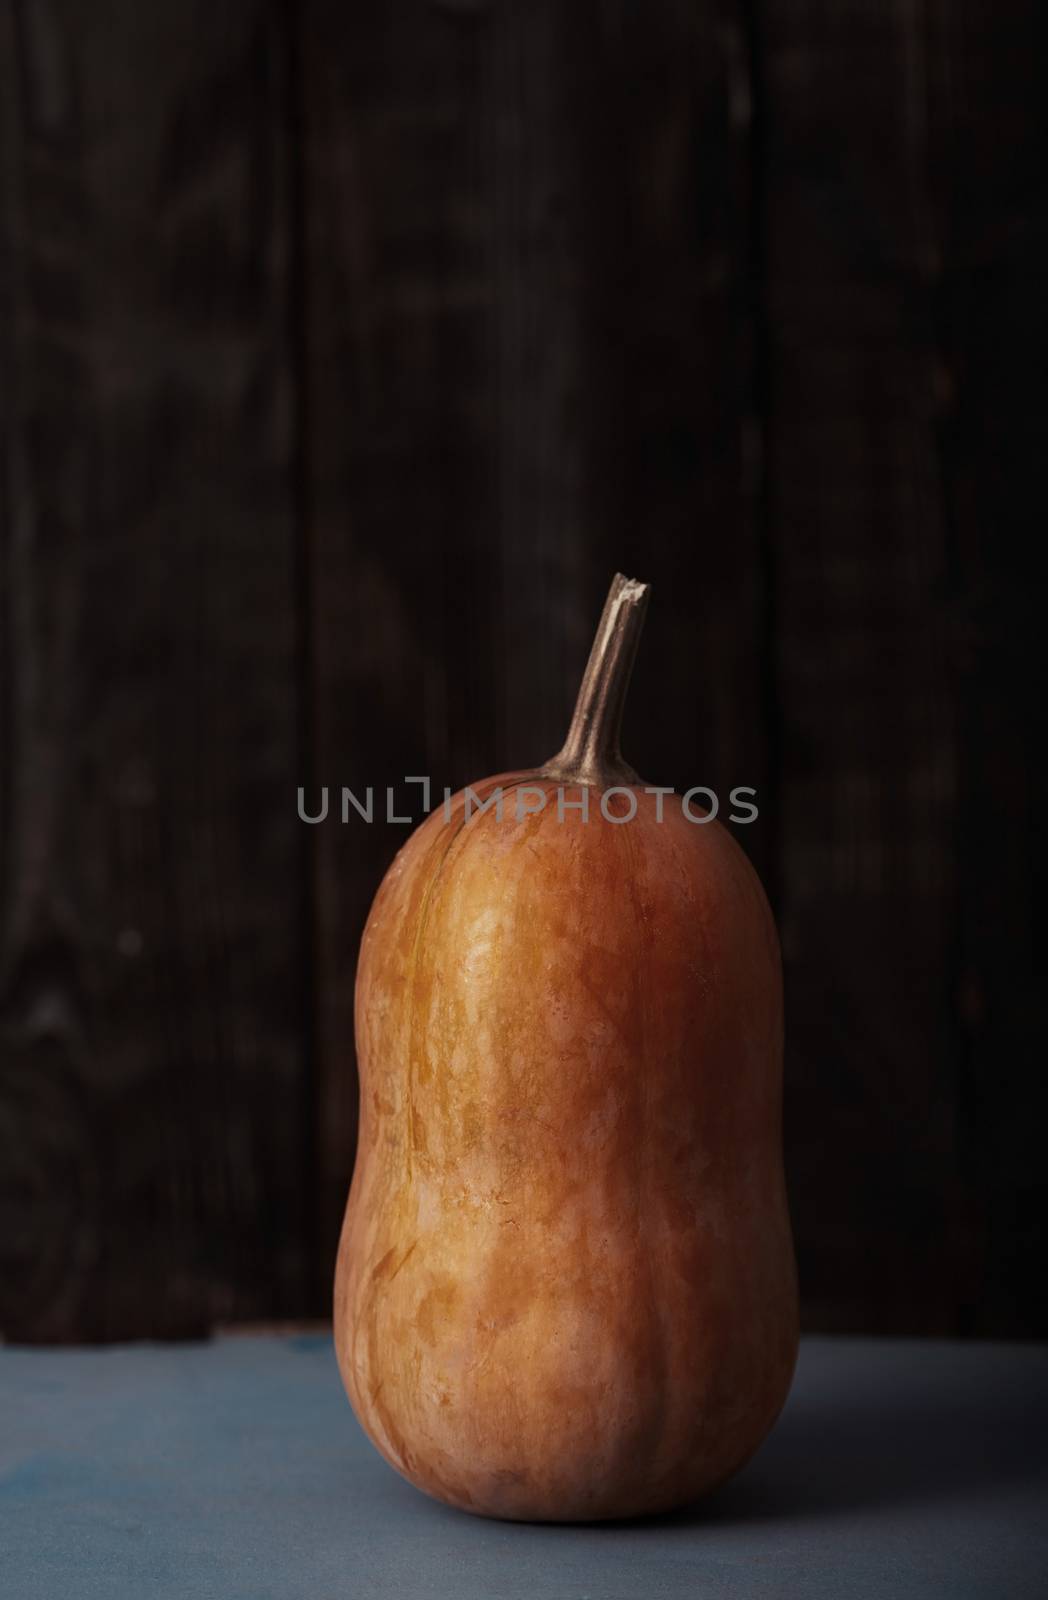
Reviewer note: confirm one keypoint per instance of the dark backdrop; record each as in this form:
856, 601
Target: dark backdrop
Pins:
347, 350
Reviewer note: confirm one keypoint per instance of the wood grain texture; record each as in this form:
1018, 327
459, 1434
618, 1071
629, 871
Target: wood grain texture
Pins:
149, 1080
400, 396
988, 69
898, 228
346, 352
675, 416
869, 741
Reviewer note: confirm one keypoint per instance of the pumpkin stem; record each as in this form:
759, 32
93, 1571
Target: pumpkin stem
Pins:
591, 751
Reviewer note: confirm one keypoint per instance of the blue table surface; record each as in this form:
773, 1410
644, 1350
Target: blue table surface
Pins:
235, 1469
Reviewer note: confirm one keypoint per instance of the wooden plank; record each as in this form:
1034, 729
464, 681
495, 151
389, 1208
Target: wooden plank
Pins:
906, 236
400, 397
529, 364
150, 1077
988, 78
868, 740
674, 425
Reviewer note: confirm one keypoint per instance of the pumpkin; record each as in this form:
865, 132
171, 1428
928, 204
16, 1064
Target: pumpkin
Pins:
565, 1286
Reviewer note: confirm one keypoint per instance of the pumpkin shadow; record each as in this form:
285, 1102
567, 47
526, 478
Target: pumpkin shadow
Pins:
938, 1425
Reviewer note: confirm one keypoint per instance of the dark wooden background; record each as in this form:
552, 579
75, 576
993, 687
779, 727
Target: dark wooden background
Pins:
346, 350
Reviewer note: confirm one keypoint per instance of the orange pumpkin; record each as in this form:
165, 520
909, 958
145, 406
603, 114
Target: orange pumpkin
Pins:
565, 1286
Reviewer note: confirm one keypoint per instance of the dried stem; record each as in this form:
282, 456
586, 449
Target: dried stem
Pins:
591, 751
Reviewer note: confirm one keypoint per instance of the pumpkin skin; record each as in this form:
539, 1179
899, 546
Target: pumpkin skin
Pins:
565, 1285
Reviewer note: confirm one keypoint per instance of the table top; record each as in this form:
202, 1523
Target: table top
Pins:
235, 1469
